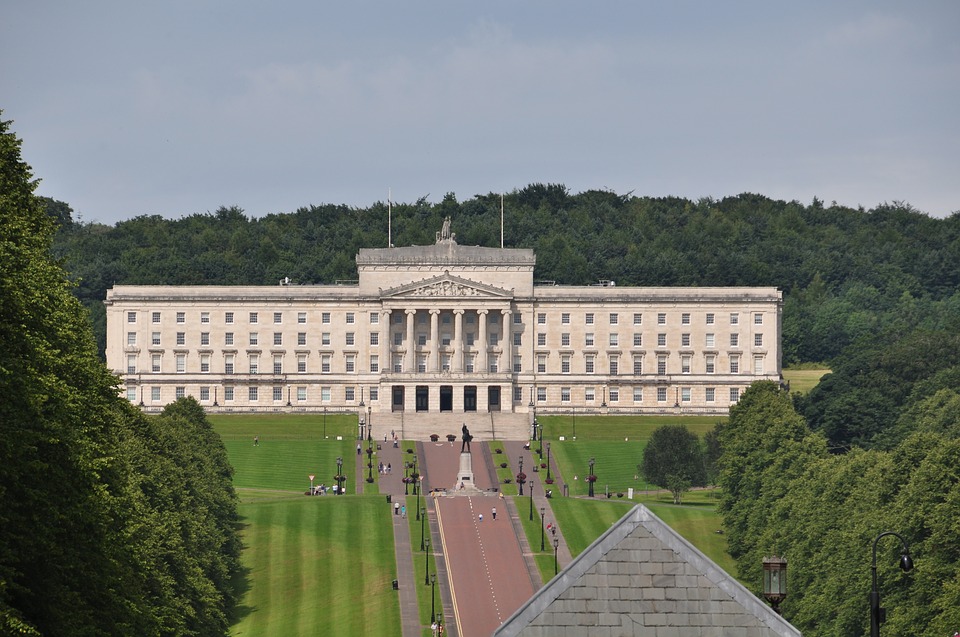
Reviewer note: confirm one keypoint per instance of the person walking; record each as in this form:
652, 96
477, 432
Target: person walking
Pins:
494, 513
256, 441
403, 511
358, 448
481, 517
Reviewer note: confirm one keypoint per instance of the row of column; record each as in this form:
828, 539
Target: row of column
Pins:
457, 362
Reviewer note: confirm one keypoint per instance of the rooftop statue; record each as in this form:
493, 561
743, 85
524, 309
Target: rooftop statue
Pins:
445, 234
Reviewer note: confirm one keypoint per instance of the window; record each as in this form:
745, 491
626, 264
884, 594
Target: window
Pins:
398, 319
350, 318
180, 392
565, 318
374, 318
638, 394
517, 339
541, 319
685, 364
154, 393
278, 338
685, 318
541, 363
734, 364
565, 340
349, 339
614, 394
325, 364
614, 340
278, 317
734, 340
254, 362
398, 364
325, 318
589, 362
374, 364
155, 317
131, 317
471, 339
661, 318
445, 362
661, 394
155, 338
375, 339
301, 338
325, 394
685, 340
494, 339
131, 339
637, 365
301, 318
204, 317
301, 394
710, 394
494, 319
710, 318
494, 364
734, 394
228, 317
228, 364
565, 364
637, 318
252, 394
711, 364
301, 363
661, 340
132, 394
518, 394
517, 364
734, 319
661, 365
614, 365
758, 340
228, 338
155, 363
637, 339
468, 363
541, 394
228, 394
710, 341
758, 319
541, 340
564, 394
588, 339
181, 338
325, 338
589, 394
684, 394
277, 364
351, 362
205, 363
758, 365
421, 339
253, 317
518, 319
374, 393
204, 338
421, 364
131, 363
254, 338
445, 339
398, 338
349, 394
277, 393
588, 318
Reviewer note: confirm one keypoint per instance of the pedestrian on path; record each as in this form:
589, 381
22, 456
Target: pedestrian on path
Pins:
494, 513
256, 441
403, 511
396, 508
358, 448
481, 517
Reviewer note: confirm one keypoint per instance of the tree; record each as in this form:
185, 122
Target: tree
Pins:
673, 460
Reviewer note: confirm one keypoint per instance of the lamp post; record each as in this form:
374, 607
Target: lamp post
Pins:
531, 501
426, 565
339, 475
520, 482
574, 422
423, 516
361, 427
543, 512
879, 615
370, 425
556, 547
289, 404
548, 462
406, 479
591, 478
775, 581
539, 438
324, 423
433, 598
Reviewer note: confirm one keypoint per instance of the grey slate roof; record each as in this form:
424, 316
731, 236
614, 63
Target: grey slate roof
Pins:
641, 578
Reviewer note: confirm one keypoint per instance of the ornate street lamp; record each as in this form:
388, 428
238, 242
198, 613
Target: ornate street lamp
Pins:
324, 423
426, 565
531, 501
879, 615
406, 478
433, 598
423, 516
543, 512
556, 547
520, 481
775, 581
339, 476
548, 462
539, 437
591, 478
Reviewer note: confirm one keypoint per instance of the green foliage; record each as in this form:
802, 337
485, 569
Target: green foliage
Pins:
673, 459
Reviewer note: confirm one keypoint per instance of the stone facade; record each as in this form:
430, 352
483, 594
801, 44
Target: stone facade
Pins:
444, 329
642, 579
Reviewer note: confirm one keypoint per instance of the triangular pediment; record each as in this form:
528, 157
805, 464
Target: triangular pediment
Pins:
446, 286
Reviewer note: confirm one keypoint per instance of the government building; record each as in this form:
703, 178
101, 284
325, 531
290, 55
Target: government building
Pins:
461, 331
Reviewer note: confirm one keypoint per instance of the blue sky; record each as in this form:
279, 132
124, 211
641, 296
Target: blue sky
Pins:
174, 108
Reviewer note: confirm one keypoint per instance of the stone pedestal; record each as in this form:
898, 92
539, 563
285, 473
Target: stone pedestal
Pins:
465, 474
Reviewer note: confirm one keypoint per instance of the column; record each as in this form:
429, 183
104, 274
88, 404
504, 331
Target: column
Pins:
457, 363
482, 341
433, 365
386, 356
410, 363
507, 363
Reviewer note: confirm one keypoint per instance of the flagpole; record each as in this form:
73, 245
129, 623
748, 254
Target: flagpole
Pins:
389, 218
501, 221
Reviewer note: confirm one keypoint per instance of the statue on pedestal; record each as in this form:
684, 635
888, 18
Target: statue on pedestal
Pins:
466, 438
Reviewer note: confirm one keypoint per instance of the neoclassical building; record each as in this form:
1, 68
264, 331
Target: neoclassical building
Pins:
444, 328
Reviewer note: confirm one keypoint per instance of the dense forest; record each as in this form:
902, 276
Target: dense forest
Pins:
112, 522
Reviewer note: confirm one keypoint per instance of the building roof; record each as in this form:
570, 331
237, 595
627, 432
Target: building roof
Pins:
641, 578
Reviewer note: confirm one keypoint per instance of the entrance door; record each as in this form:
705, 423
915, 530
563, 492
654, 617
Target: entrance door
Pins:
446, 398
397, 402
470, 398
493, 398
423, 398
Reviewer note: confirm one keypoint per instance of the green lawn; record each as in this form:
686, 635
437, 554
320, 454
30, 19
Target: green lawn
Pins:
803, 380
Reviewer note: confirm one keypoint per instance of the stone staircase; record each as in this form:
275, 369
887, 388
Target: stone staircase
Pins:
420, 426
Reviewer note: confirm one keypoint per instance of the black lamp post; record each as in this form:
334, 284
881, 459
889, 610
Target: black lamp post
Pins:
361, 428
370, 425
548, 461
520, 482
591, 478
775, 581
531, 501
406, 478
423, 516
426, 565
538, 429
369, 465
339, 475
879, 615
556, 547
324, 423
433, 598
543, 512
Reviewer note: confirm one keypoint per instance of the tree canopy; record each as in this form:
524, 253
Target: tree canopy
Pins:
673, 459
